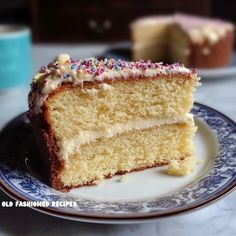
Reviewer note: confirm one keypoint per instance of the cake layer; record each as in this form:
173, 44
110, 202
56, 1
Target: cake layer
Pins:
71, 111
179, 45
146, 31
150, 50
133, 150
72, 144
150, 41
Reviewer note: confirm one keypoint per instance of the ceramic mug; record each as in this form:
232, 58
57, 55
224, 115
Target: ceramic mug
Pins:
15, 56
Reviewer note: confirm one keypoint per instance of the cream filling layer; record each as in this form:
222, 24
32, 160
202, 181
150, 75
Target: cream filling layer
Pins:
71, 146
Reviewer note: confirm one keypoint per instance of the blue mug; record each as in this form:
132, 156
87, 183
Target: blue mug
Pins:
15, 56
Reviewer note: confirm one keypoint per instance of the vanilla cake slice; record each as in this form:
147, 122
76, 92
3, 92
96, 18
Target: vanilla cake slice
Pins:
97, 118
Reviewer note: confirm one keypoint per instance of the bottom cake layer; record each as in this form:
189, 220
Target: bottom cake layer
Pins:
133, 150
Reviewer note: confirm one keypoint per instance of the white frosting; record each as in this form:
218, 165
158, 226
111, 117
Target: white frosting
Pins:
91, 91
105, 86
62, 58
72, 145
51, 85
211, 33
152, 20
206, 51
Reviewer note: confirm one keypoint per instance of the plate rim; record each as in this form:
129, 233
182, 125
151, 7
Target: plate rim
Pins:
144, 217
118, 220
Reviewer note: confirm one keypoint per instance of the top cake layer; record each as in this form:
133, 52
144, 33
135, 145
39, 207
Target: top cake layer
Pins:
67, 70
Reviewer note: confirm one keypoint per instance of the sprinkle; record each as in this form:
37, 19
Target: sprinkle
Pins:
124, 178
116, 67
73, 66
66, 76
43, 69
92, 67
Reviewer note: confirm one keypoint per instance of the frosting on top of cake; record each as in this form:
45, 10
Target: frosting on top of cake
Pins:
67, 70
198, 28
153, 20
91, 69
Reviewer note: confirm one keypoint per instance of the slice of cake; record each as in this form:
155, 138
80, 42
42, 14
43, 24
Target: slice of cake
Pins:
94, 119
194, 41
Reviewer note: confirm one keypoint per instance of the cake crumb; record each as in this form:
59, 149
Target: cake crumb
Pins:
98, 182
124, 178
182, 167
91, 91
105, 86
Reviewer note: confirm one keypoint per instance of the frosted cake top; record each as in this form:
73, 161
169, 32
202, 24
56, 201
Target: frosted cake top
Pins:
66, 70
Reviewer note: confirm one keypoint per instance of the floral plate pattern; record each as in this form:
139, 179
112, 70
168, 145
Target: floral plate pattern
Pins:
22, 182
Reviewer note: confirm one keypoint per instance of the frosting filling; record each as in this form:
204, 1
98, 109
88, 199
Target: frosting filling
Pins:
72, 145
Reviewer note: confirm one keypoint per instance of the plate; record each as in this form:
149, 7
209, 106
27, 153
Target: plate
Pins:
123, 51
146, 196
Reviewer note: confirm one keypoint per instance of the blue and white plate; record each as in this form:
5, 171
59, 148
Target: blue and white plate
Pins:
145, 196
123, 51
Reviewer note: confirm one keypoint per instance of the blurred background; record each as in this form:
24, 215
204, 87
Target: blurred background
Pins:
95, 25
85, 28
81, 21
82, 29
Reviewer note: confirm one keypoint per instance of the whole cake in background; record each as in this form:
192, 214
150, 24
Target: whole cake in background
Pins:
97, 118
194, 41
